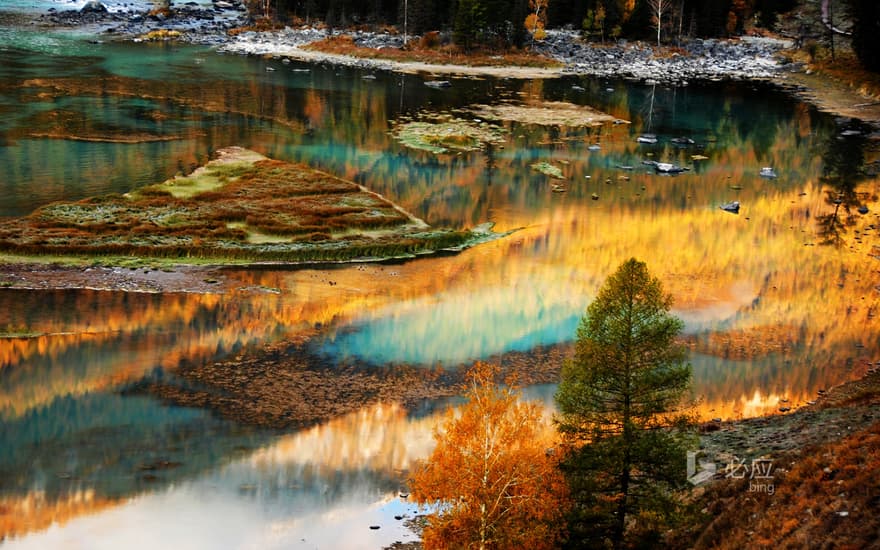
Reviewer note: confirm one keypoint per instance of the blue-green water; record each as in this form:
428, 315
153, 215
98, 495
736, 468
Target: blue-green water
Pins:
79, 119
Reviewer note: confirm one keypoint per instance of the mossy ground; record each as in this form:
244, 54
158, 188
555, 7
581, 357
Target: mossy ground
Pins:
548, 113
239, 207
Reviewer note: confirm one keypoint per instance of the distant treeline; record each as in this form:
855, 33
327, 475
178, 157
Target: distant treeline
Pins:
500, 23
503, 19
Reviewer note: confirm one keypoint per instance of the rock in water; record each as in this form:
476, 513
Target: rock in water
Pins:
438, 84
732, 207
668, 168
93, 6
767, 172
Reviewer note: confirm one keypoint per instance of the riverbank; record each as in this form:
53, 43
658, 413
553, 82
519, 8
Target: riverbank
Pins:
793, 479
225, 25
744, 59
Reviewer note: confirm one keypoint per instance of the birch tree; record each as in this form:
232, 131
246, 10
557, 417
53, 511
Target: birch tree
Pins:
491, 478
658, 8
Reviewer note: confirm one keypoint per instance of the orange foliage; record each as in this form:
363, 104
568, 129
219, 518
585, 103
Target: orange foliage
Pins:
491, 475
536, 20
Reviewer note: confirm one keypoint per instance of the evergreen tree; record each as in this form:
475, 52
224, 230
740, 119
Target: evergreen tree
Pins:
470, 20
620, 411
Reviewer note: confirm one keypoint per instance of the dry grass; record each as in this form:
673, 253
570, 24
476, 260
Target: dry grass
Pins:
825, 461
827, 499
845, 70
441, 55
261, 24
850, 73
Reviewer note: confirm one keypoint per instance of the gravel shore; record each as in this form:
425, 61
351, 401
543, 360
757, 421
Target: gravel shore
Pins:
747, 58
744, 59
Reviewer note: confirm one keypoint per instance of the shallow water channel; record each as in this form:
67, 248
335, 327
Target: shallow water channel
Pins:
779, 301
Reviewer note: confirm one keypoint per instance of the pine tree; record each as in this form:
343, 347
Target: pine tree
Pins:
620, 403
470, 20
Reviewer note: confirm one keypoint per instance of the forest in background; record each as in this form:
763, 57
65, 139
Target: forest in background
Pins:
512, 23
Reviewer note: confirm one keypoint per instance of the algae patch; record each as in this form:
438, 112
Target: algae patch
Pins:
447, 134
548, 169
229, 165
549, 113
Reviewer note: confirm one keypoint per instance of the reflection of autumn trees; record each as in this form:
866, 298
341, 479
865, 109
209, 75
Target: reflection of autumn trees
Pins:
728, 273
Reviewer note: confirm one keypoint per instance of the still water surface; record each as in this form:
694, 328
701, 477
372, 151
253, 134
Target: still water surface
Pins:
779, 301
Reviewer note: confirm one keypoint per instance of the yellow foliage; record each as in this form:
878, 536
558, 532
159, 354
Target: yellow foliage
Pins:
531, 22
491, 476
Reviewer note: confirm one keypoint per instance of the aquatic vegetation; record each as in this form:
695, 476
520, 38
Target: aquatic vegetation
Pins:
548, 169
241, 206
447, 134
548, 113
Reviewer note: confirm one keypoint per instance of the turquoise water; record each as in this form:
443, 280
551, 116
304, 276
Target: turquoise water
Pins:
32, 6
79, 119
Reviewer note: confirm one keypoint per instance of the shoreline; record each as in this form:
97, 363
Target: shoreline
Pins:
745, 58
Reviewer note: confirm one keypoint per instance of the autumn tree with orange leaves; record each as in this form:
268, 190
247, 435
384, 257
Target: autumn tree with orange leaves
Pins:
492, 478
536, 20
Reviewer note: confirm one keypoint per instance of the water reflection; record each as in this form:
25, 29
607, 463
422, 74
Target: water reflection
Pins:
323, 487
769, 315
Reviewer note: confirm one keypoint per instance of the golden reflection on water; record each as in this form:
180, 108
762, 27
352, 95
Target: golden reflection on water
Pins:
382, 437
772, 316
760, 270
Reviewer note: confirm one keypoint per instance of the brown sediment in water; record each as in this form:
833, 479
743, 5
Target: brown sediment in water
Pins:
240, 101
745, 343
287, 386
20, 273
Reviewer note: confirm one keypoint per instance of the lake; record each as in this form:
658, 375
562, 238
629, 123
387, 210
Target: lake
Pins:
779, 300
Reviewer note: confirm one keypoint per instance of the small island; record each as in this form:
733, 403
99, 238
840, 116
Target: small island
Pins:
239, 208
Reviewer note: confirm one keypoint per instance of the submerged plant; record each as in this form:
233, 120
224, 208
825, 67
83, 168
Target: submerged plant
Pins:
451, 134
548, 169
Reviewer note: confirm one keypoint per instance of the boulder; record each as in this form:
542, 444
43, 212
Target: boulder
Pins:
93, 6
